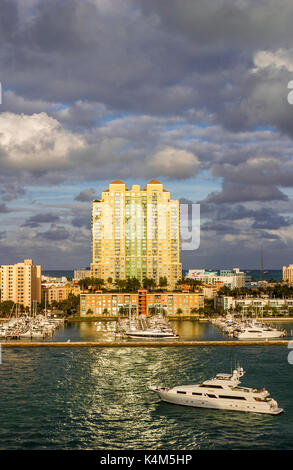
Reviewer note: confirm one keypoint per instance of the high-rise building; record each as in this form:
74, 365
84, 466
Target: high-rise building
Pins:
136, 233
21, 283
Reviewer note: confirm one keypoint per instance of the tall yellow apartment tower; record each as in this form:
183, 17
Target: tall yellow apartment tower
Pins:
135, 233
21, 283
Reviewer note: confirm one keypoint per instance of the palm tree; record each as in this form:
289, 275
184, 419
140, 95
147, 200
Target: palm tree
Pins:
163, 282
266, 310
198, 312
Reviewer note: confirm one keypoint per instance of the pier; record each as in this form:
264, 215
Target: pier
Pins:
140, 344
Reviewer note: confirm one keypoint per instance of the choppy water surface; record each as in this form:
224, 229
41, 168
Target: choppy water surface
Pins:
83, 398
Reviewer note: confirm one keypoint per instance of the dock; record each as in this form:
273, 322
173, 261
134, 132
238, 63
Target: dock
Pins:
140, 344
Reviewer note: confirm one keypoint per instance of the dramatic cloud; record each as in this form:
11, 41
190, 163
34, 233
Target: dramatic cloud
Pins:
240, 193
55, 233
38, 219
36, 143
193, 93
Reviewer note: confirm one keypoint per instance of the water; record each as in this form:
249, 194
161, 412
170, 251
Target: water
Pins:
271, 274
59, 273
268, 275
88, 398
188, 331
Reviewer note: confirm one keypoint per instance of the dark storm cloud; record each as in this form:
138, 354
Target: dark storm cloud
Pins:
149, 56
55, 233
82, 221
9, 21
38, 219
3, 235
220, 227
233, 193
246, 21
227, 216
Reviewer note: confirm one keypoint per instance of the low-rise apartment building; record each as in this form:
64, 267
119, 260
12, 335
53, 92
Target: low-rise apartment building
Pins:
80, 274
231, 278
60, 292
258, 305
142, 302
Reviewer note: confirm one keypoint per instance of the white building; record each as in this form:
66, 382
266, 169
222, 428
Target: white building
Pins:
257, 305
81, 274
230, 278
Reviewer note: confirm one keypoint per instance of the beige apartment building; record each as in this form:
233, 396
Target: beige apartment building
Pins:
288, 274
21, 283
136, 233
59, 292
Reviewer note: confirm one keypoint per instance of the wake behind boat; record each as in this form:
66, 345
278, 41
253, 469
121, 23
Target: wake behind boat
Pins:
221, 392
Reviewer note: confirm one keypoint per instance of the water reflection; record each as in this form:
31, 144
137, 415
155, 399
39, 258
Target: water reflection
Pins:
98, 399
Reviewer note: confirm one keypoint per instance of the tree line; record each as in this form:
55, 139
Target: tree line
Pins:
278, 291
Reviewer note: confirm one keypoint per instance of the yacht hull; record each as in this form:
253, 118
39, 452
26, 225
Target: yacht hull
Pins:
260, 336
173, 398
153, 336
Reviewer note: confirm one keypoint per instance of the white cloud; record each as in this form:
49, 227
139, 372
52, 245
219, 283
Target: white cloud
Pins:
174, 163
35, 142
279, 59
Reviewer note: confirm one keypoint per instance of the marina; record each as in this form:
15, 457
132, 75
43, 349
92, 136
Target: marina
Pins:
104, 334
29, 327
146, 327
244, 329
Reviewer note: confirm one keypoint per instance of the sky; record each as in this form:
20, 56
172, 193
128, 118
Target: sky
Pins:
192, 93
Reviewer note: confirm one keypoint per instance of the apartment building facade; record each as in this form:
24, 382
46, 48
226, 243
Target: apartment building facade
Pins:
142, 303
136, 233
257, 305
288, 274
58, 293
21, 283
231, 278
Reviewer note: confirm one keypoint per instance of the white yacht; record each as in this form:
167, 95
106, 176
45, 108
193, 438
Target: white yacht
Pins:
144, 327
259, 332
151, 333
221, 392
